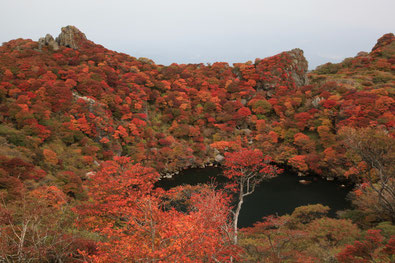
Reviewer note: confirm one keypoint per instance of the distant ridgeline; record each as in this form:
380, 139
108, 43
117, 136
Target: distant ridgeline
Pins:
67, 104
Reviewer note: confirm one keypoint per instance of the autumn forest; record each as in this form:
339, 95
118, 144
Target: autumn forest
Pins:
86, 133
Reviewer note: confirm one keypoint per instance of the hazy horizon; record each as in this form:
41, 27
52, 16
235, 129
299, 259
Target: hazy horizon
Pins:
205, 31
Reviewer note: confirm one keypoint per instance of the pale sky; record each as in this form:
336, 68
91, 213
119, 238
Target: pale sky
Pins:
186, 31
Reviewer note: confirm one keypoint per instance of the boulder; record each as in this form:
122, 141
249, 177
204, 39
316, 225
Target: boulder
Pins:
219, 158
300, 174
316, 101
246, 132
304, 181
89, 175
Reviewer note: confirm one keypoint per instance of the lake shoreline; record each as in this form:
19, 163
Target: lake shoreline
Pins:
277, 196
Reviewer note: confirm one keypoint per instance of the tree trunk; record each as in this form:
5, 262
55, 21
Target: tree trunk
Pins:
236, 215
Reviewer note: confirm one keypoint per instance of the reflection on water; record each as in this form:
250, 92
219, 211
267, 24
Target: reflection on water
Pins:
280, 195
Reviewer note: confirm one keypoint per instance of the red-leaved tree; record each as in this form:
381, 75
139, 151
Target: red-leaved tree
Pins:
246, 169
372, 249
137, 224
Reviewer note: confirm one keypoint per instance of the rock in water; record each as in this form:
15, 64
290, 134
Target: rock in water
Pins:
304, 181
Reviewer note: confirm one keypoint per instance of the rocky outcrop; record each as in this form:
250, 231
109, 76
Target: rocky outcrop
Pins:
298, 67
285, 69
70, 37
49, 41
89, 101
384, 41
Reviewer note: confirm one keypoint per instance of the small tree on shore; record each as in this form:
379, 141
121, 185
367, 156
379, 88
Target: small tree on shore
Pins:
246, 169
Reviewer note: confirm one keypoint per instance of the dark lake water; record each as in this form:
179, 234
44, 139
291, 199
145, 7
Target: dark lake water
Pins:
280, 195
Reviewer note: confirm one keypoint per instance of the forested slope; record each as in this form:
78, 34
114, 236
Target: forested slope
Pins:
69, 104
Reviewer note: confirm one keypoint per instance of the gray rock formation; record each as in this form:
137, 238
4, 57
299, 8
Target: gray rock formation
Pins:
70, 37
49, 41
298, 67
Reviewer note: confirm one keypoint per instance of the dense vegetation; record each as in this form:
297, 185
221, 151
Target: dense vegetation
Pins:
85, 132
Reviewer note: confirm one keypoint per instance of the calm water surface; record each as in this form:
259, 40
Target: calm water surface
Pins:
280, 195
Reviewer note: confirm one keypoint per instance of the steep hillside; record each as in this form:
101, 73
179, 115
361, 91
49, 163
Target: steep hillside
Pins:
73, 110
68, 104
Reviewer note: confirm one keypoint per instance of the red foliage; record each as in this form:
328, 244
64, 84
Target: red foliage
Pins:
128, 212
98, 104
241, 163
368, 250
298, 161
